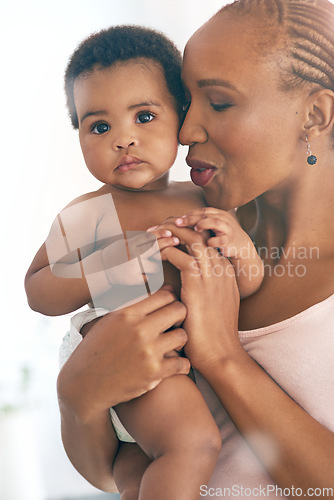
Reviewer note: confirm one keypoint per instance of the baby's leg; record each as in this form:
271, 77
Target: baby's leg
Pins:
174, 426
128, 469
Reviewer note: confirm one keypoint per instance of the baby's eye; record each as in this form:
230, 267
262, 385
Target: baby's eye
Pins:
144, 117
100, 128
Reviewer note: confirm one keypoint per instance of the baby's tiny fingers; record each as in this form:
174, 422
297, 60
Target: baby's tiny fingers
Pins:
158, 232
193, 217
168, 242
168, 221
214, 224
154, 253
225, 249
188, 220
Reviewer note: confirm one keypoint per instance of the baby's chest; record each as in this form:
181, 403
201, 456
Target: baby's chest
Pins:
140, 213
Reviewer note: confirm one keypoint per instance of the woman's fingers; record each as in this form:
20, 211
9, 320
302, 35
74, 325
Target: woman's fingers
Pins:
163, 319
159, 299
151, 257
176, 365
207, 263
173, 340
181, 260
160, 312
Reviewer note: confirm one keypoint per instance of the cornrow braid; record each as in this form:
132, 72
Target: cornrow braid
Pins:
307, 27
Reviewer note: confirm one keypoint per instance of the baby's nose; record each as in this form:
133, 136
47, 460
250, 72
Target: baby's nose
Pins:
123, 141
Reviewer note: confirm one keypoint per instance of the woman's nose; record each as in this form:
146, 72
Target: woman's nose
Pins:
192, 131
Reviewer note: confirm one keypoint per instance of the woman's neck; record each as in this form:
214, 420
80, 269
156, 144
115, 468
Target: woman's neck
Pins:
299, 213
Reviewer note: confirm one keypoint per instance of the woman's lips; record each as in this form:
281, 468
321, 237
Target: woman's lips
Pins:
201, 172
127, 163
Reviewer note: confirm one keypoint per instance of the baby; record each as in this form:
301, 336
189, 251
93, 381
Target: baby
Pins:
125, 97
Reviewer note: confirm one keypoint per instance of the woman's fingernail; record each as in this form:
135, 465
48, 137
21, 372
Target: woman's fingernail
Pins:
151, 228
167, 233
179, 221
176, 240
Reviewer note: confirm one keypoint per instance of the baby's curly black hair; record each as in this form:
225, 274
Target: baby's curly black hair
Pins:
121, 43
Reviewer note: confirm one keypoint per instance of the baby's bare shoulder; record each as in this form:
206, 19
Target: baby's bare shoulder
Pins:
188, 190
86, 196
89, 217
187, 186
85, 213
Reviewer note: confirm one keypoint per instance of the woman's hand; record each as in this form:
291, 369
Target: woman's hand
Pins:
210, 294
232, 241
123, 356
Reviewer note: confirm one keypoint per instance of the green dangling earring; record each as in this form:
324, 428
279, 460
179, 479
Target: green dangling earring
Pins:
311, 159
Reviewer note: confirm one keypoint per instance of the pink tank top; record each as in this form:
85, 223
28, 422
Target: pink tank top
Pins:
298, 353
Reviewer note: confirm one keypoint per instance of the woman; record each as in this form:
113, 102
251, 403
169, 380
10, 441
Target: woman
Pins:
259, 79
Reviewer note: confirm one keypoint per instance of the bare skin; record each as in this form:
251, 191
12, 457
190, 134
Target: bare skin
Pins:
87, 432
128, 134
292, 207
258, 148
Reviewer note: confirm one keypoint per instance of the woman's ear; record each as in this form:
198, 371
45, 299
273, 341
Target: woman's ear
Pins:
320, 113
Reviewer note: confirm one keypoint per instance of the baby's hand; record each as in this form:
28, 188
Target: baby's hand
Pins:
232, 241
125, 262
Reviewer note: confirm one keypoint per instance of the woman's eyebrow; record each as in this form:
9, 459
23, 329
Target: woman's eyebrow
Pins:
212, 82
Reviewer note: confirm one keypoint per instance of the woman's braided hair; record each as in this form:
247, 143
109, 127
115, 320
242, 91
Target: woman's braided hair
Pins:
307, 29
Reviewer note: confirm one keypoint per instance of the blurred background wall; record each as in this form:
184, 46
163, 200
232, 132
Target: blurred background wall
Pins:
41, 171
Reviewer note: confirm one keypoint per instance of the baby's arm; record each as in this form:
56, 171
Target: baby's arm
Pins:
55, 282
84, 255
233, 243
50, 294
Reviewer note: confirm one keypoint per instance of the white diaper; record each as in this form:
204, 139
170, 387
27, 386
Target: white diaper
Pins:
71, 340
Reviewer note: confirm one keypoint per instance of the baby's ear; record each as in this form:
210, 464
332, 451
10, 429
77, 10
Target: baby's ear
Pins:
320, 113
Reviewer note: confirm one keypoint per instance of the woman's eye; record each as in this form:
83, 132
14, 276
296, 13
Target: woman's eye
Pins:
144, 117
100, 128
221, 107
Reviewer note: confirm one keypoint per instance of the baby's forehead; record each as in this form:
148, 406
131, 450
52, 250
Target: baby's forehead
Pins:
131, 82
147, 67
